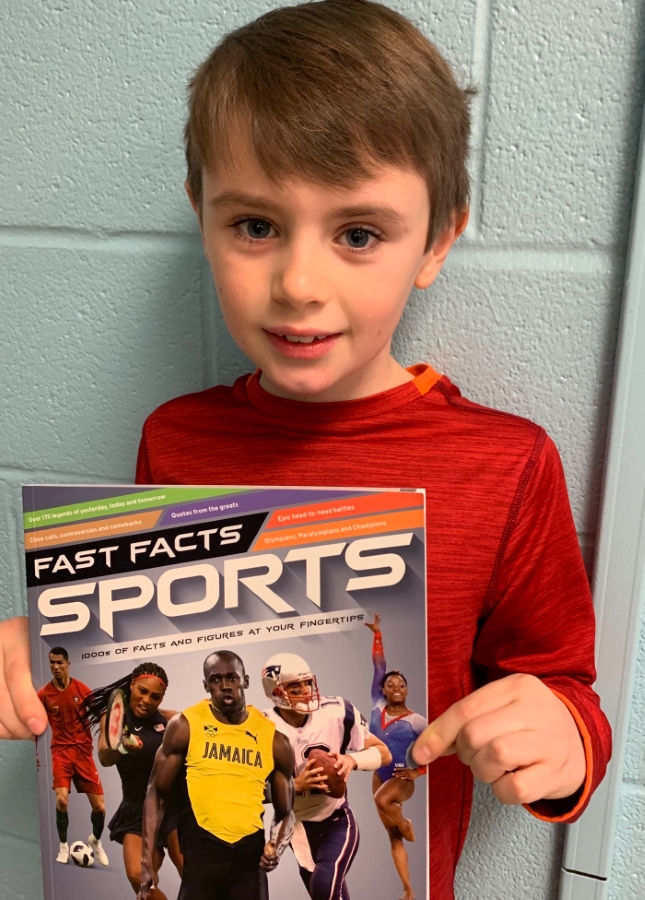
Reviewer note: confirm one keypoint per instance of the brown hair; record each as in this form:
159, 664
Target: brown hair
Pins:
327, 91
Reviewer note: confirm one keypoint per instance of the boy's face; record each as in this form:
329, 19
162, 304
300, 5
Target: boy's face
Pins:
312, 280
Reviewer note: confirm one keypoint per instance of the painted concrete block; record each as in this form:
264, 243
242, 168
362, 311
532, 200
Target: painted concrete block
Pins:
537, 343
92, 342
20, 867
11, 590
628, 867
451, 26
18, 796
508, 853
566, 98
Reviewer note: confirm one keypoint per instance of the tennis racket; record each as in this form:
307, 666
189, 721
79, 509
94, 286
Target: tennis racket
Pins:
114, 719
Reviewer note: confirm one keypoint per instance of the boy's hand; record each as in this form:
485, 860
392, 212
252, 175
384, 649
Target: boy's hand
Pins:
22, 715
516, 735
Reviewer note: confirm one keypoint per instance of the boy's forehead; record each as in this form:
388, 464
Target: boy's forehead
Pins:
243, 178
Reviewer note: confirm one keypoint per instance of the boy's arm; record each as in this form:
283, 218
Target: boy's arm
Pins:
22, 715
540, 740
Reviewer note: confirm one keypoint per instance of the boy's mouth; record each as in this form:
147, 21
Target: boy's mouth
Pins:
301, 345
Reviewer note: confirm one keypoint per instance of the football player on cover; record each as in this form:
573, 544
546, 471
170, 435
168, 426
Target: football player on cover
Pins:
145, 723
398, 727
72, 752
228, 752
326, 836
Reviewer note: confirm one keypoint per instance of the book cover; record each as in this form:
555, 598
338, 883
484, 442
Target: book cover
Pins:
313, 594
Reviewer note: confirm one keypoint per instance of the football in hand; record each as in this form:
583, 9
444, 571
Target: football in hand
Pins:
335, 782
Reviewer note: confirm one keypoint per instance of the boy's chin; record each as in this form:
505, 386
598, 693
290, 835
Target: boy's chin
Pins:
311, 384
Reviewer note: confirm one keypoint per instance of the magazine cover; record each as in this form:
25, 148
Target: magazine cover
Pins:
229, 634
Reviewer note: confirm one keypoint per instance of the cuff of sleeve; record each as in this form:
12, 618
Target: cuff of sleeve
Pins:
567, 808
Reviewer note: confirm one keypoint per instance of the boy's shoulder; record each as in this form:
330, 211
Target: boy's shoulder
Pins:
440, 403
435, 418
187, 406
430, 437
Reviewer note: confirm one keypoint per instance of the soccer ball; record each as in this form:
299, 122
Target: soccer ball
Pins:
81, 854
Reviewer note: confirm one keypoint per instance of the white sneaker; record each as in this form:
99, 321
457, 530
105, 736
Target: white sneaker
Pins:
63, 853
99, 852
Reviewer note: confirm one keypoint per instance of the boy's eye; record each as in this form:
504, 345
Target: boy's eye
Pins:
256, 229
360, 238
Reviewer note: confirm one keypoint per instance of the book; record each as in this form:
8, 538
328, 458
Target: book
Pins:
118, 576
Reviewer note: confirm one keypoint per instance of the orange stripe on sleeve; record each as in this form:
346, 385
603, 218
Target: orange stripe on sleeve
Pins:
586, 789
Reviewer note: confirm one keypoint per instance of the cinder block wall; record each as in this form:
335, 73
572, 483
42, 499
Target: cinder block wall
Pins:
107, 309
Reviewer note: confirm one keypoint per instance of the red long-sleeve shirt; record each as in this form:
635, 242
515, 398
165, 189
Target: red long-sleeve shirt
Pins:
507, 590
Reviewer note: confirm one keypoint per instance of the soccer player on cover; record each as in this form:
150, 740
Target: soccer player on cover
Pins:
228, 752
326, 837
72, 752
326, 149
144, 726
398, 727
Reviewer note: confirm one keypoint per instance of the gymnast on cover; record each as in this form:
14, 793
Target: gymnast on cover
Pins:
398, 727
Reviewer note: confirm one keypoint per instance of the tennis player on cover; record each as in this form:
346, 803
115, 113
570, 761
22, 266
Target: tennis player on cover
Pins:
72, 752
144, 726
228, 751
326, 837
398, 727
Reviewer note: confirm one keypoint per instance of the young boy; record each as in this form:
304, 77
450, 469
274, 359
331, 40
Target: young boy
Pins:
326, 147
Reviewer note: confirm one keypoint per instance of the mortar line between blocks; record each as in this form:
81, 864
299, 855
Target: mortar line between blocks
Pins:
98, 241
481, 68
531, 258
14, 474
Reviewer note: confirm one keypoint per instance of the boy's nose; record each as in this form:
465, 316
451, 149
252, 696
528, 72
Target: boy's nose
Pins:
300, 278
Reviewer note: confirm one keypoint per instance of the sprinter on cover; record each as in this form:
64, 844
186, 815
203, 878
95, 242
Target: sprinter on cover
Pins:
230, 752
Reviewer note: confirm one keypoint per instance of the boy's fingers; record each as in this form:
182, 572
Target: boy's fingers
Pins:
524, 785
439, 738
478, 733
22, 712
504, 754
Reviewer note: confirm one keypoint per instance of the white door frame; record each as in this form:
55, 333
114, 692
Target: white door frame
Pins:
619, 580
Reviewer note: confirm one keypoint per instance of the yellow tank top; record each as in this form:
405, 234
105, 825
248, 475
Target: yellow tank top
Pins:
226, 770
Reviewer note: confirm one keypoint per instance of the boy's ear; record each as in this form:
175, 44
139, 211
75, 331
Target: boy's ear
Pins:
193, 202
198, 212
435, 257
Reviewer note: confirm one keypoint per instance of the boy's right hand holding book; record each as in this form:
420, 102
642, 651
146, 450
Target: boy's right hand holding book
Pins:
22, 715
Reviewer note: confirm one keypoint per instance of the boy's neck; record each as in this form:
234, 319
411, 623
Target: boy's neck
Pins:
383, 375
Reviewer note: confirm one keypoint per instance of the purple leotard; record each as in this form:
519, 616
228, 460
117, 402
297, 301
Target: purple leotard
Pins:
396, 732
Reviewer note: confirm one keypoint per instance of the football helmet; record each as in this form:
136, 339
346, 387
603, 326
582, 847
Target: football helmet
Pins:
283, 678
